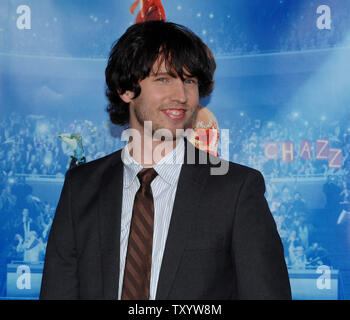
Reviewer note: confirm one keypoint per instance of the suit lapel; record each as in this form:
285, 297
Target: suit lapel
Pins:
110, 207
190, 185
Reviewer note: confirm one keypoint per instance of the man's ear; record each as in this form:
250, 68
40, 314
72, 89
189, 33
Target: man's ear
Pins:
127, 96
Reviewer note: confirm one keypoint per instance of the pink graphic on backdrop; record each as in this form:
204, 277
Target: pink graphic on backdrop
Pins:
271, 150
335, 158
322, 149
287, 150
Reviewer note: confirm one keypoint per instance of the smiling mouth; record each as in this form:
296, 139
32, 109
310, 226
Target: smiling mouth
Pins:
174, 114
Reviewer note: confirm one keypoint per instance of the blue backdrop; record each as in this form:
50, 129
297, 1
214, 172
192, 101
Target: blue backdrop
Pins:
281, 91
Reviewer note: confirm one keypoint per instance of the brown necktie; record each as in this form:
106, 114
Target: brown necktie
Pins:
137, 273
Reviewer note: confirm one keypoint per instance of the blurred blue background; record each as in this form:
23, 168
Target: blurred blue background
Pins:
282, 91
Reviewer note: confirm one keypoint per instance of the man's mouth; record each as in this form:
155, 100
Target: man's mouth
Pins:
174, 114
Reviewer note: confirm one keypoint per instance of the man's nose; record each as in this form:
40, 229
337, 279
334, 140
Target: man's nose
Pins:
179, 93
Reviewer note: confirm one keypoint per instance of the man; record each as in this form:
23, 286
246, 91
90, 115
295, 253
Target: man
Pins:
213, 234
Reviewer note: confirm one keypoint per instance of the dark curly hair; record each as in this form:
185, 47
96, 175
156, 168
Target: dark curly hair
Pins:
134, 54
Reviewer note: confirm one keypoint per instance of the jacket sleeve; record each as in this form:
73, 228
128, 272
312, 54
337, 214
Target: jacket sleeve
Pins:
256, 246
60, 279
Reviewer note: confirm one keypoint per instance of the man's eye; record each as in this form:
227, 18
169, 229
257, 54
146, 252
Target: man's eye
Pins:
190, 81
161, 79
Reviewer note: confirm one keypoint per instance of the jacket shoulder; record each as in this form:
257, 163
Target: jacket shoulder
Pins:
242, 169
231, 169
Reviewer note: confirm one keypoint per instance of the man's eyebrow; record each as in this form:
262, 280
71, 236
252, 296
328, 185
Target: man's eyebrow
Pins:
156, 74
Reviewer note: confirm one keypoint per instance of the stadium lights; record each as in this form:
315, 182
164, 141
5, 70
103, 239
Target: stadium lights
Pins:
42, 128
48, 159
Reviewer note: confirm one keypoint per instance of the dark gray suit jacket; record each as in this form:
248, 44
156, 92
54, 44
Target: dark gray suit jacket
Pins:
222, 241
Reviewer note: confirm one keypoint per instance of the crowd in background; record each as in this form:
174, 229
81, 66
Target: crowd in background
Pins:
29, 144
294, 218
29, 147
248, 138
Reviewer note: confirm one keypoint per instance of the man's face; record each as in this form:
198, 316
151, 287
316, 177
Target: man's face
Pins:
169, 102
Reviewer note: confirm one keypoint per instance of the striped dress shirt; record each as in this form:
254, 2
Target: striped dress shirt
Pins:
164, 189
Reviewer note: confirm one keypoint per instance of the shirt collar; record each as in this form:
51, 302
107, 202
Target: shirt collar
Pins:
168, 168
